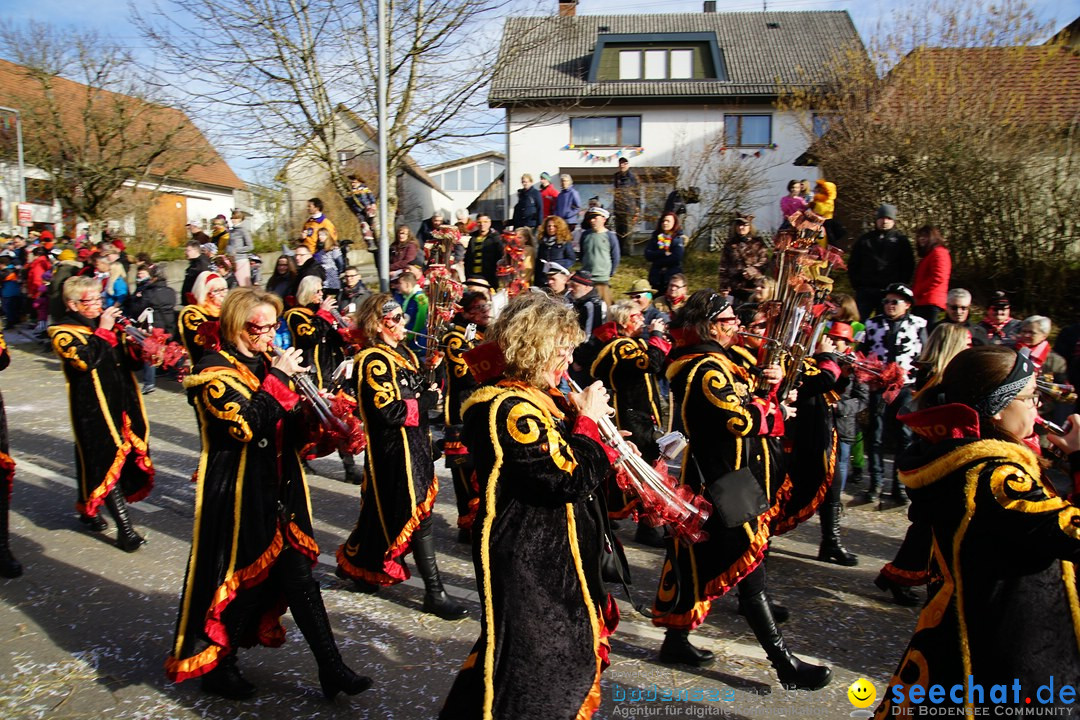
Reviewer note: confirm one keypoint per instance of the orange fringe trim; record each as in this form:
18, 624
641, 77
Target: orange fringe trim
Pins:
132, 442
178, 669
790, 522
7, 469
393, 569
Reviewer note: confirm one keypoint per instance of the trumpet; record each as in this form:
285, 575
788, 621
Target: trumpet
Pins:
678, 507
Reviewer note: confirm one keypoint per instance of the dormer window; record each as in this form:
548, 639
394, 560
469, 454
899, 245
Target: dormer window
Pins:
657, 56
673, 64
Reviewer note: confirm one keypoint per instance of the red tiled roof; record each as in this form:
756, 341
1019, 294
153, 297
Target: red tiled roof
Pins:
1026, 84
19, 91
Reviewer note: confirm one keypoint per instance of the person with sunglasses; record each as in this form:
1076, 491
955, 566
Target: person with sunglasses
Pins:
252, 546
727, 411
894, 335
111, 433
1000, 326
393, 399
1001, 609
958, 312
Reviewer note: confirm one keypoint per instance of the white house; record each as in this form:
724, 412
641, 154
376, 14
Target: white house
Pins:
464, 180
304, 176
679, 95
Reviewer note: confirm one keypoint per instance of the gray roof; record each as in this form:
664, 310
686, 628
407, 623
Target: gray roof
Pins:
548, 58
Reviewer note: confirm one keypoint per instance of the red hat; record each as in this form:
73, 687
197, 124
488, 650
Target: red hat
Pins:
841, 330
118, 244
46, 235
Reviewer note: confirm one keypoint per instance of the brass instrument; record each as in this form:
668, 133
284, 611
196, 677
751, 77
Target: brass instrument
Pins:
443, 291
1059, 459
676, 506
156, 346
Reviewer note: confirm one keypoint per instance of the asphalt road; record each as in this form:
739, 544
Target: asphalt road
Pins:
86, 630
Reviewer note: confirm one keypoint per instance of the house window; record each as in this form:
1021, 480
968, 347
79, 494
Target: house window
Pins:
658, 64
483, 175
820, 124
468, 179
620, 131
344, 156
450, 180
747, 130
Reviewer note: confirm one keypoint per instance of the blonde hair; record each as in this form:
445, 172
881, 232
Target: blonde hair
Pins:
530, 331
116, 271
621, 311
238, 307
946, 342
310, 285
76, 285
527, 177
202, 286
369, 316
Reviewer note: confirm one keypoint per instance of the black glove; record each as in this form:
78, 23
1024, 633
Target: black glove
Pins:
427, 400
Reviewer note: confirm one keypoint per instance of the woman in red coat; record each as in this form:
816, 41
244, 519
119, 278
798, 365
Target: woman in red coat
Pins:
932, 273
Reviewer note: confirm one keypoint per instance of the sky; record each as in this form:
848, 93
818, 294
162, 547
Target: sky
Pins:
111, 17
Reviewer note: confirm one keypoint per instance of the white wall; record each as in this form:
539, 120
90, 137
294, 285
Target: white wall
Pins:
670, 136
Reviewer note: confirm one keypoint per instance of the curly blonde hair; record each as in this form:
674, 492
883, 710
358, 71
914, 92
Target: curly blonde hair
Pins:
530, 331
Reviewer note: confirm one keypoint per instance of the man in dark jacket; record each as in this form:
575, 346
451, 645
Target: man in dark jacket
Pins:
880, 258
152, 305
529, 205
197, 263
958, 312
306, 264
625, 186
485, 249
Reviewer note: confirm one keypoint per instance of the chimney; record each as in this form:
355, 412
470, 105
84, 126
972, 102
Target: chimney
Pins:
567, 8
710, 6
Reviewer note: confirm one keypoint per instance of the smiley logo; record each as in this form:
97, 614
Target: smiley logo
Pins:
862, 693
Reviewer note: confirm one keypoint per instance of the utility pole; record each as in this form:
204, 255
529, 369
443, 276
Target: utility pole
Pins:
384, 180
19, 147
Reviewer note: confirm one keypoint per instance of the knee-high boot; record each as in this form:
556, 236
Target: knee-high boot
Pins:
436, 601
831, 550
306, 605
226, 681
9, 566
126, 538
792, 672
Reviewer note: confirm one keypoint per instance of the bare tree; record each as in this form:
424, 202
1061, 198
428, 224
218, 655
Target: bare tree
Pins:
91, 120
276, 71
961, 122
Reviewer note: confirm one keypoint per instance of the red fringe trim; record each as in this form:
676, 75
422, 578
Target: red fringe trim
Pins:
178, 669
790, 522
907, 578
131, 442
393, 569
7, 468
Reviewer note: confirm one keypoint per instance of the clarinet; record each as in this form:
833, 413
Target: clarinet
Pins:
307, 387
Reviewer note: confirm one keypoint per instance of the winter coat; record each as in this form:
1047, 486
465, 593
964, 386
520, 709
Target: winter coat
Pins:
528, 208
665, 263
880, 258
931, 285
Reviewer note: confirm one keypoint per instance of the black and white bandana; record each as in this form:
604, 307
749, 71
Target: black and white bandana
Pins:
998, 398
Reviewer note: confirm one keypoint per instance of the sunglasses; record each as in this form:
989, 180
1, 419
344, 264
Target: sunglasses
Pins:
958, 308
256, 330
396, 317
757, 326
892, 302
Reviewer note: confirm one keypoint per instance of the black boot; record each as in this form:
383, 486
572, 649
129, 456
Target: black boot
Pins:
779, 612
831, 550
306, 605
901, 595
793, 673
899, 492
357, 584
95, 523
9, 566
126, 538
353, 476
226, 681
649, 536
436, 601
677, 649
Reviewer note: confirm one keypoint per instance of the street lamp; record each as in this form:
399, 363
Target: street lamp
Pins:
19, 144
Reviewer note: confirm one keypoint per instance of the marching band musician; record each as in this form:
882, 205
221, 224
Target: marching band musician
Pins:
112, 457
209, 292
713, 391
1002, 599
9, 566
252, 545
323, 342
475, 311
628, 365
399, 486
546, 614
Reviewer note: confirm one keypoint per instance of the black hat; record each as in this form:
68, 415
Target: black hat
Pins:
999, 300
582, 277
477, 281
902, 290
